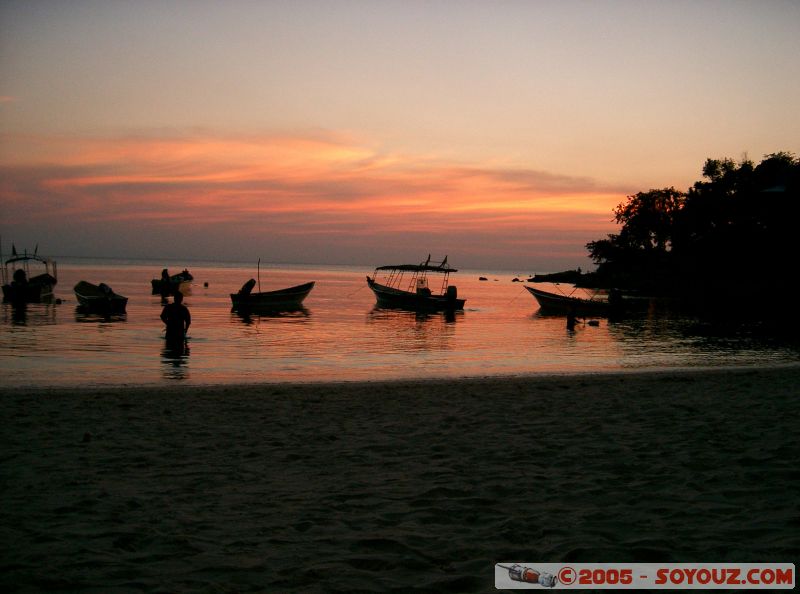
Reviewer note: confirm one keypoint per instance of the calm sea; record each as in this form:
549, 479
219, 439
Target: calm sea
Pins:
341, 335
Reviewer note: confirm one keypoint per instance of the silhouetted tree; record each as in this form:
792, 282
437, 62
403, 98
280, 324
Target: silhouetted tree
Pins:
642, 247
648, 218
738, 224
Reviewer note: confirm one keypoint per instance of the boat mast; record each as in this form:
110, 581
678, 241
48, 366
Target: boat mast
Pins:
259, 274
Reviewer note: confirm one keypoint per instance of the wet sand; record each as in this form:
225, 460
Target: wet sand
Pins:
406, 486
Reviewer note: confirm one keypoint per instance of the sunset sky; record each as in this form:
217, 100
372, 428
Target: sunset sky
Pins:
501, 133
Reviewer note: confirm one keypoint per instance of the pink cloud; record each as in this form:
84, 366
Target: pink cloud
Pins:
323, 186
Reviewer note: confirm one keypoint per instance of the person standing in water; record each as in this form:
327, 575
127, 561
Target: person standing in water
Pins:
165, 287
571, 319
177, 318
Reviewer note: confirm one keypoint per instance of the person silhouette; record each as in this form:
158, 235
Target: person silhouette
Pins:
571, 319
177, 318
19, 287
164, 286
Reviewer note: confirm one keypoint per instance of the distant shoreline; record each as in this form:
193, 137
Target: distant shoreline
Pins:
175, 262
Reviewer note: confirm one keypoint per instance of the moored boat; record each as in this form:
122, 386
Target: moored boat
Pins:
559, 303
406, 286
28, 278
99, 298
280, 300
171, 284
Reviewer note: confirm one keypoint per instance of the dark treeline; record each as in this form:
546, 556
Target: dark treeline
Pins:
732, 236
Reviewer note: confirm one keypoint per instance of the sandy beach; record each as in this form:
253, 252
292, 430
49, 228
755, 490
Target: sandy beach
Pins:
394, 487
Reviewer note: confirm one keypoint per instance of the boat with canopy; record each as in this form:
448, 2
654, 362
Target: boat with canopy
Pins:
417, 287
28, 278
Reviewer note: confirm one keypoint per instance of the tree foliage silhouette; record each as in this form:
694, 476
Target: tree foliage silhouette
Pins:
739, 223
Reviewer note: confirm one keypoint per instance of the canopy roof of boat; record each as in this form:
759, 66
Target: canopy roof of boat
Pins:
25, 257
426, 266
418, 268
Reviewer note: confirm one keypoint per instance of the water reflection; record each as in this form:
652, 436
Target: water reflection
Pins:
252, 316
415, 331
83, 315
18, 314
174, 358
29, 314
386, 313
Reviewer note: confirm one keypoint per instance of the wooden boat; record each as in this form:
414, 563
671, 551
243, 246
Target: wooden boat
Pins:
563, 304
281, 300
99, 298
19, 286
169, 285
406, 286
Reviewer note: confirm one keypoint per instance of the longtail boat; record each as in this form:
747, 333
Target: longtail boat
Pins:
280, 300
99, 298
563, 304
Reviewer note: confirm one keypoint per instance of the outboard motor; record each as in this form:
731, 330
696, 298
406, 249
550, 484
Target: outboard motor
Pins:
452, 294
247, 287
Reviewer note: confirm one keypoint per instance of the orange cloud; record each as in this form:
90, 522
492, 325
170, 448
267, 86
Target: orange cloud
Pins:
323, 186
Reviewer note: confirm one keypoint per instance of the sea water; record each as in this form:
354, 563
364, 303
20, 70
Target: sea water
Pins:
340, 335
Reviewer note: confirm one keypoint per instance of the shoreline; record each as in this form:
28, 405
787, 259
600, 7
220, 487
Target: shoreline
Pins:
392, 486
176, 386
